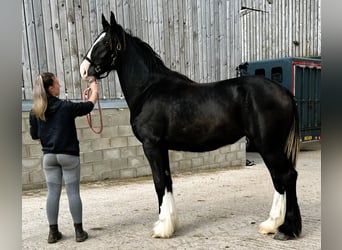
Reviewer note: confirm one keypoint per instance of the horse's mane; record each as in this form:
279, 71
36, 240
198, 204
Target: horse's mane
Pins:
153, 60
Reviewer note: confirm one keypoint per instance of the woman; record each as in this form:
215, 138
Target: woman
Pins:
52, 121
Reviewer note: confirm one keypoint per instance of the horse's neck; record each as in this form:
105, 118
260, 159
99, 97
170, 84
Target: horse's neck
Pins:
134, 75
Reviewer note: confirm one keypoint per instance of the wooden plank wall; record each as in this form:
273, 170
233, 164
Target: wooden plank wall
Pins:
274, 30
204, 39
200, 38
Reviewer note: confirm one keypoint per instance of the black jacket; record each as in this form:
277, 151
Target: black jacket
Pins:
58, 133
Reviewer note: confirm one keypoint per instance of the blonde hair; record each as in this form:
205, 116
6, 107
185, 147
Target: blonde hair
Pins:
40, 94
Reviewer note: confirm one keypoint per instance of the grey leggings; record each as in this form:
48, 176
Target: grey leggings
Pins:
58, 167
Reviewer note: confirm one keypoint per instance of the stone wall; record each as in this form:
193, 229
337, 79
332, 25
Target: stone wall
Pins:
116, 153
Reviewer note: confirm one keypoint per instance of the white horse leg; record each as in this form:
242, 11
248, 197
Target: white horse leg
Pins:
168, 219
277, 215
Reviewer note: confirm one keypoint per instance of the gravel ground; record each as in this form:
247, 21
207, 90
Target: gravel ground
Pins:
218, 209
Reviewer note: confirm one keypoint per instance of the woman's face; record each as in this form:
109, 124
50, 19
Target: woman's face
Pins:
55, 88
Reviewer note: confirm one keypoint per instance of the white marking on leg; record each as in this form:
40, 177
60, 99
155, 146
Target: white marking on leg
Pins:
168, 218
277, 214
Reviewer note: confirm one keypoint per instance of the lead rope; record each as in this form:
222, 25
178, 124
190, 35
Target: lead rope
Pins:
88, 116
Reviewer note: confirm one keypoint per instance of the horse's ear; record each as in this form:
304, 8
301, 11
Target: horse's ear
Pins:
118, 32
113, 22
105, 23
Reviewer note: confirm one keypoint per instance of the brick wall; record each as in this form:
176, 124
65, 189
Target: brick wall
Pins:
116, 153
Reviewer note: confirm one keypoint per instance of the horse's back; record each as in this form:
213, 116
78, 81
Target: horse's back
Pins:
201, 117
190, 116
261, 87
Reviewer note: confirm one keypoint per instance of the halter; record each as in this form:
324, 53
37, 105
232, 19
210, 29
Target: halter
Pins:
97, 67
85, 95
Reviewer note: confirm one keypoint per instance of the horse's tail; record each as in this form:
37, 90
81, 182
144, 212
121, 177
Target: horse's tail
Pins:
293, 140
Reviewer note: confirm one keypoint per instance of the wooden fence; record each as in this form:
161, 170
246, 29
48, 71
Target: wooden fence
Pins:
203, 39
198, 38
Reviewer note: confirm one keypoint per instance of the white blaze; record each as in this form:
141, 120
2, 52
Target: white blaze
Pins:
277, 214
168, 219
86, 64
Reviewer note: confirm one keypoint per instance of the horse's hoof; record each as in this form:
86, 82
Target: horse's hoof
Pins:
281, 236
265, 231
155, 236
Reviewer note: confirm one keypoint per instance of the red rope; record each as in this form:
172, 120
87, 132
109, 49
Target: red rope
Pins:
88, 116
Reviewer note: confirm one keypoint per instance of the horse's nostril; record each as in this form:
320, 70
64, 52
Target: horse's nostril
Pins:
84, 74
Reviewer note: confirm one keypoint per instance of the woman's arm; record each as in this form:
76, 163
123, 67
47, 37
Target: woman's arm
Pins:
94, 86
33, 126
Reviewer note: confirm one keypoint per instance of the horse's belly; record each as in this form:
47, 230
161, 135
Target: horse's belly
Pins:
201, 143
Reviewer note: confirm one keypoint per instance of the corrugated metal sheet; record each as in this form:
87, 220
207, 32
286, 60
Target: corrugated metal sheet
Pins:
198, 38
280, 28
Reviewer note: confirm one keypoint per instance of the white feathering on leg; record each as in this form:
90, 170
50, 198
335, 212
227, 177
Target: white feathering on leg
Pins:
168, 219
277, 214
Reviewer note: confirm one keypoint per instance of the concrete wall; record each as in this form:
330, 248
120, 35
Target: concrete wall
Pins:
117, 154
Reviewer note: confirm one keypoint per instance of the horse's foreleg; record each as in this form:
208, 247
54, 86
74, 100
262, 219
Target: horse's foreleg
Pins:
168, 219
159, 162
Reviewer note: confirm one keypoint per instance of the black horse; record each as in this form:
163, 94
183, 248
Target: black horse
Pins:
171, 112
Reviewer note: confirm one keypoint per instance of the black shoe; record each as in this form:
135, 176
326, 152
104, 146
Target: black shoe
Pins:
54, 234
81, 235
250, 163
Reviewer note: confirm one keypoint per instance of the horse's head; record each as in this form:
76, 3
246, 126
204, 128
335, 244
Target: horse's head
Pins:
101, 57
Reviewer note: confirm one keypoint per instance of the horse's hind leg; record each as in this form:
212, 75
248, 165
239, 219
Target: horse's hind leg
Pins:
284, 178
277, 215
159, 162
292, 226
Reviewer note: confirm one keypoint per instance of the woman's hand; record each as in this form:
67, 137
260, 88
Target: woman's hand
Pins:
94, 86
